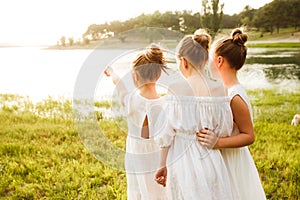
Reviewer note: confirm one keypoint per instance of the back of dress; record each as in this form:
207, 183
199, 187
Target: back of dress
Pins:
194, 171
143, 154
198, 103
190, 114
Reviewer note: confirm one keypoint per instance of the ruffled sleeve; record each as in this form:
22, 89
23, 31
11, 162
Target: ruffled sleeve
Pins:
165, 136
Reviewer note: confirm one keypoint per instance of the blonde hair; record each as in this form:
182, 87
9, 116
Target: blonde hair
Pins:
194, 48
150, 63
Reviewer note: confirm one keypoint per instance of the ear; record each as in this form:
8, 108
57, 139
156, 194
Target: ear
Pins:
220, 61
185, 63
136, 76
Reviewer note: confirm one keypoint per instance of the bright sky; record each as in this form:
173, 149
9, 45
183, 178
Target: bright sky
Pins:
45, 21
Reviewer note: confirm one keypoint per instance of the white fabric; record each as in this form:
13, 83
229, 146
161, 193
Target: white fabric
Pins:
195, 172
143, 155
242, 171
238, 89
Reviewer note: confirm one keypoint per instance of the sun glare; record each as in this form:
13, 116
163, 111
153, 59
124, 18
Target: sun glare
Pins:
45, 22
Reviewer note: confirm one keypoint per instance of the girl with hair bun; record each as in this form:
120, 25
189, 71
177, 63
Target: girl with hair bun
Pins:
143, 105
188, 169
229, 55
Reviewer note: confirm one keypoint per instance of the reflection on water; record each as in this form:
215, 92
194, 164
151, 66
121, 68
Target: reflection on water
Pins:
282, 72
271, 68
41, 73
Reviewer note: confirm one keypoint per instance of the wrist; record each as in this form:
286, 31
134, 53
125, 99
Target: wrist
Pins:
218, 144
163, 164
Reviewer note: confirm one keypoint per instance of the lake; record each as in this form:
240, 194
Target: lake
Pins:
39, 73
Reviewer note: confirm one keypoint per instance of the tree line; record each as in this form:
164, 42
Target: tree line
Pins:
269, 18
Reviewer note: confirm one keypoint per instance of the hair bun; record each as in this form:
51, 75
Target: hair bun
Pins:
203, 38
238, 37
154, 54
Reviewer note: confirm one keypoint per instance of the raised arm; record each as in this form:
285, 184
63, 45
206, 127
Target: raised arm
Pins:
120, 86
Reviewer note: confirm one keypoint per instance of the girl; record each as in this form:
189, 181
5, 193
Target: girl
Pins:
189, 170
229, 56
143, 106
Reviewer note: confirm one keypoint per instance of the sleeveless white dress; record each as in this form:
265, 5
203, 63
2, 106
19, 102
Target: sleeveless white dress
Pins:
194, 171
242, 171
142, 156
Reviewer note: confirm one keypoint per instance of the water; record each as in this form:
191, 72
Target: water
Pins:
271, 68
38, 73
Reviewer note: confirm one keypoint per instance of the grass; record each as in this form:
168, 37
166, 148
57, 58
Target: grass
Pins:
275, 61
43, 157
275, 45
289, 32
276, 148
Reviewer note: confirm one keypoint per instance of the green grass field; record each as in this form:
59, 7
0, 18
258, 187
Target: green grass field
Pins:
275, 45
42, 156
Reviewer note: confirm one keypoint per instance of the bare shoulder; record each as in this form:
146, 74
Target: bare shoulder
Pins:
239, 106
180, 88
218, 88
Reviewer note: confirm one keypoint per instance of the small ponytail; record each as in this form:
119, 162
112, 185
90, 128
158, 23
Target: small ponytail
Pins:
238, 37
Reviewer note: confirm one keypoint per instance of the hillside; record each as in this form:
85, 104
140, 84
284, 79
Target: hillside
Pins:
169, 39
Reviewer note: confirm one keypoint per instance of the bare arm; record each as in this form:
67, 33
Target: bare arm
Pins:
164, 155
122, 90
242, 118
161, 173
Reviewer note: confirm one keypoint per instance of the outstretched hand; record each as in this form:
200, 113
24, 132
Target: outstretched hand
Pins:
207, 138
108, 71
161, 176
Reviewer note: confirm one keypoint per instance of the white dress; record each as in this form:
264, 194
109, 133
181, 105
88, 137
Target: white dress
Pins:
194, 171
143, 155
242, 171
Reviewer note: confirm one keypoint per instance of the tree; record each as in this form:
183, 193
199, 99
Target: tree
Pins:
263, 19
230, 21
277, 14
212, 15
246, 16
122, 38
294, 13
189, 22
170, 21
118, 27
94, 31
86, 40
63, 41
278, 9
71, 41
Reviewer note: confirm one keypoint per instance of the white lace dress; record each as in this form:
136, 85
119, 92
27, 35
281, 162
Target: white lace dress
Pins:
242, 171
195, 172
143, 155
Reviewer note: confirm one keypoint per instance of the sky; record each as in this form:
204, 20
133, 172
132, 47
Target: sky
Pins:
46, 21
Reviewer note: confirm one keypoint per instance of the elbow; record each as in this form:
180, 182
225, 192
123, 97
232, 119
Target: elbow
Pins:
251, 139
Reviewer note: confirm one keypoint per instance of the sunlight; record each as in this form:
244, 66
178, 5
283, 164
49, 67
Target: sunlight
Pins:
45, 22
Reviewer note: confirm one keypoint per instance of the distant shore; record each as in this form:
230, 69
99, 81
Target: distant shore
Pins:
287, 40
102, 45
282, 40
